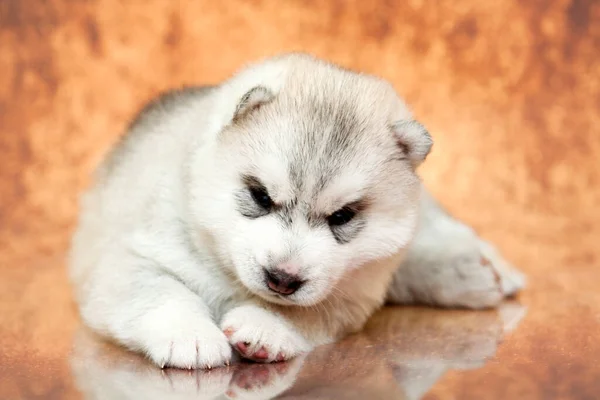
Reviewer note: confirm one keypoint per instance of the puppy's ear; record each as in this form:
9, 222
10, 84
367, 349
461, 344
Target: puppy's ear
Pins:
252, 100
413, 140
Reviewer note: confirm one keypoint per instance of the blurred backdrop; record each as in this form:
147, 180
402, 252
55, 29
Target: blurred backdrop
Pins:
509, 89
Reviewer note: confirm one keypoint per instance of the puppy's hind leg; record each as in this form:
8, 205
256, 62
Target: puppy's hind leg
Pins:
448, 265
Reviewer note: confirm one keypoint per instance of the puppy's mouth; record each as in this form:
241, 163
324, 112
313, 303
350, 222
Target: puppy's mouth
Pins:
301, 298
279, 299
271, 296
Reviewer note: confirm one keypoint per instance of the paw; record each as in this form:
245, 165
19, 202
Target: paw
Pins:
103, 370
511, 281
465, 271
185, 341
259, 335
198, 345
477, 278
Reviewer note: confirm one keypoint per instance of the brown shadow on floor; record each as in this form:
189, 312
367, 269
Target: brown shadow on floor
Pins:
401, 354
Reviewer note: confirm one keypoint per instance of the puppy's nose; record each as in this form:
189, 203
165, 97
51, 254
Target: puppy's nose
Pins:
282, 282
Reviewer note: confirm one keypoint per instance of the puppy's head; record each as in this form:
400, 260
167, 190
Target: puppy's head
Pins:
312, 175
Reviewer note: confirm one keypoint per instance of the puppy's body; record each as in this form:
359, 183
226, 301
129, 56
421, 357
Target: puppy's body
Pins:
270, 213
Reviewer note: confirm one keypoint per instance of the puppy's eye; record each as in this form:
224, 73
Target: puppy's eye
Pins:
341, 217
261, 197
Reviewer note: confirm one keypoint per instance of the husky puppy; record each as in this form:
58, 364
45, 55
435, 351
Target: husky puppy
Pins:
270, 214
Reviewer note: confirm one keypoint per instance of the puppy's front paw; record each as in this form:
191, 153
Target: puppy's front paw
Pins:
259, 335
183, 340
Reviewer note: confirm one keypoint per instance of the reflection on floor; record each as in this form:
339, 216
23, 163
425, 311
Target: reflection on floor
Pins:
404, 352
401, 354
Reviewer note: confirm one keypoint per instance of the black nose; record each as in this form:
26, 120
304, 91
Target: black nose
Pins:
281, 282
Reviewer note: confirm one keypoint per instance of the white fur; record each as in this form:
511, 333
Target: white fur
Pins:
163, 260
448, 265
260, 328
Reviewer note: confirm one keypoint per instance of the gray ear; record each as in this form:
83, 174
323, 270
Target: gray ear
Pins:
413, 139
252, 100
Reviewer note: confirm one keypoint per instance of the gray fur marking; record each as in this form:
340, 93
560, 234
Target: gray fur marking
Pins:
332, 136
152, 112
166, 102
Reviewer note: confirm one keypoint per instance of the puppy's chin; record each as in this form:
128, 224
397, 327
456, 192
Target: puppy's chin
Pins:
298, 300
275, 299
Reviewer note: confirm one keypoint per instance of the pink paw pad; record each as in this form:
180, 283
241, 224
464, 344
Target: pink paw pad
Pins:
242, 347
260, 354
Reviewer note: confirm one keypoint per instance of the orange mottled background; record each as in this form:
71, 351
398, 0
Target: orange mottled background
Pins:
510, 91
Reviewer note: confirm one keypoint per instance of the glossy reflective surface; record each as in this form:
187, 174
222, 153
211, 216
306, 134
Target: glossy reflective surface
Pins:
546, 349
401, 353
